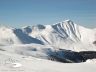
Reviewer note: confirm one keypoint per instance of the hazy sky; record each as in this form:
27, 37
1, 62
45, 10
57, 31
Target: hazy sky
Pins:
17, 13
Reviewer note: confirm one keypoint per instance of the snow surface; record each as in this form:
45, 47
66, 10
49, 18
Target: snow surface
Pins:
28, 49
32, 64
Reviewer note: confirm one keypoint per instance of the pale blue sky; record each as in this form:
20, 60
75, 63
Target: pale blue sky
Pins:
17, 13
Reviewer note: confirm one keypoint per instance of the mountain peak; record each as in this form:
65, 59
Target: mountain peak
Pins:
68, 20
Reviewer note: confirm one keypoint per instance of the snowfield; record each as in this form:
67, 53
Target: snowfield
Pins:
61, 47
19, 63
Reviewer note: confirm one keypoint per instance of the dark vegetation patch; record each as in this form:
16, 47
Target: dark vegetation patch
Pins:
88, 54
68, 56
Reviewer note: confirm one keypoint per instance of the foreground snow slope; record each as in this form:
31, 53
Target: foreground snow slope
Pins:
11, 62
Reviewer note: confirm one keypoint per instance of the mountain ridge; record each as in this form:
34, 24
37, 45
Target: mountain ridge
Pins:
65, 34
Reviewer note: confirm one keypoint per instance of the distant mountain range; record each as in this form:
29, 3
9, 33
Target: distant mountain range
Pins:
66, 35
64, 41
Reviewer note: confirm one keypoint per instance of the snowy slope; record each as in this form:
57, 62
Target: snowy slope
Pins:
7, 36
10, 62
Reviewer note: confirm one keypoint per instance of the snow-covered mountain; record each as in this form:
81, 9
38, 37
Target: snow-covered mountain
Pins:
66, 35
61, 41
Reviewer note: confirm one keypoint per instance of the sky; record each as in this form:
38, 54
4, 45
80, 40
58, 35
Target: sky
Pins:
18, 13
